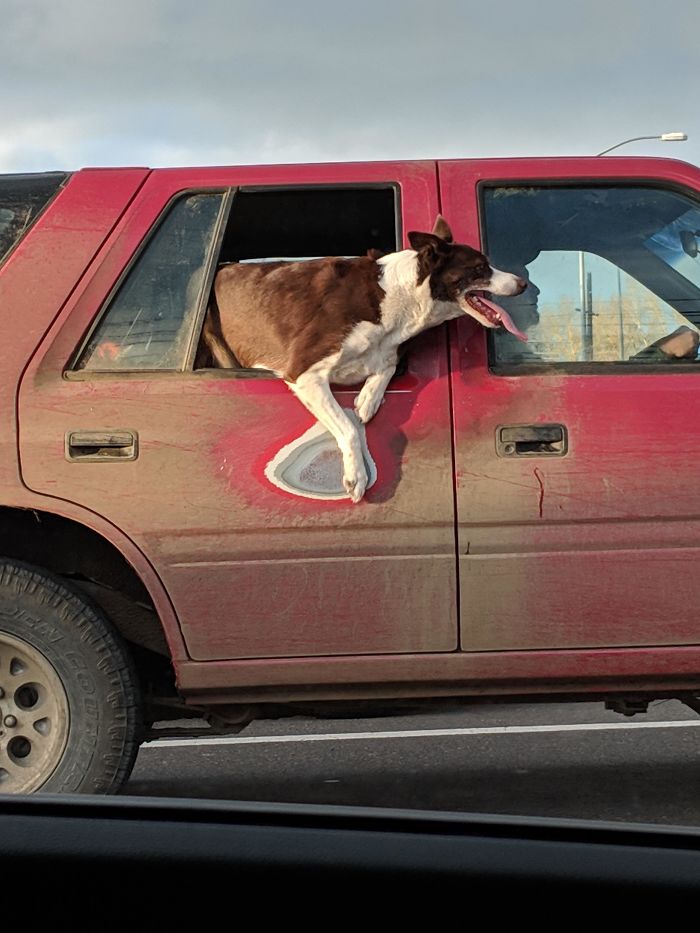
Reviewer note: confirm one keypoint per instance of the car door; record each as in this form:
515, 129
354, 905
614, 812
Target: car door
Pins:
577, 453
116, 416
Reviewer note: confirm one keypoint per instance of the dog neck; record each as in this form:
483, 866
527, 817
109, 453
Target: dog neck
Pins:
408, 307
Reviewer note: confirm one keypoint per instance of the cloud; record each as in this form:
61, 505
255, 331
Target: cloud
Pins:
40, 145
168, 81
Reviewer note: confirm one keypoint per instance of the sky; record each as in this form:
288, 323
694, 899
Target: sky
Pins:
166, 82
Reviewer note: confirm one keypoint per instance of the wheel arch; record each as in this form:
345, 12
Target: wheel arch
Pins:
103, 562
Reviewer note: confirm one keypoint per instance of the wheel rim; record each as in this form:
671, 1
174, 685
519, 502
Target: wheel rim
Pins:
34, 717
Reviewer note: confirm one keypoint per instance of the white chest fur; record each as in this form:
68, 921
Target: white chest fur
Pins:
405, 310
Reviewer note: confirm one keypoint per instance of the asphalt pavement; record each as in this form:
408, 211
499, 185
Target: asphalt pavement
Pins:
562, 760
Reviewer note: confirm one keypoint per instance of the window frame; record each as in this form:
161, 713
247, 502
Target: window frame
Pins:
563, 368
71, 373
242, 372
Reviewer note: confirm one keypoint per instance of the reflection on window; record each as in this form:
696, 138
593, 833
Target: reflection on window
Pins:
613, 273
678, 244
582, 308
148, 324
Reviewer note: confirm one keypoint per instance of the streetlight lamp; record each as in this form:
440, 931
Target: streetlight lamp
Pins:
664, 137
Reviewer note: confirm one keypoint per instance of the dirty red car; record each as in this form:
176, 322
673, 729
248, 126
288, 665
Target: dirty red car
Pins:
173, 538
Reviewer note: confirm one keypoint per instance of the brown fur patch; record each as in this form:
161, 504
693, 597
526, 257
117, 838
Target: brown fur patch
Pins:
286, 316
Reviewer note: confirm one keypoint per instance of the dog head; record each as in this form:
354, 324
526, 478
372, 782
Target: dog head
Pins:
459, 275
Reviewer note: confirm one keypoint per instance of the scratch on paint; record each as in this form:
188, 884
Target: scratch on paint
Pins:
611, 486
541, 483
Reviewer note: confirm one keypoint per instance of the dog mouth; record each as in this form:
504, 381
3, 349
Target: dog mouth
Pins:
494, 315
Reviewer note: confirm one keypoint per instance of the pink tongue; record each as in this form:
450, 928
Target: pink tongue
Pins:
504, 318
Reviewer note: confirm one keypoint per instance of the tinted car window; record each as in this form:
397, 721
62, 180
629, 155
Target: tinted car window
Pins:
148, 322
22, 199
612, 271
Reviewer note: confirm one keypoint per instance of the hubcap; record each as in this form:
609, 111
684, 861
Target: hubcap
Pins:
34, 717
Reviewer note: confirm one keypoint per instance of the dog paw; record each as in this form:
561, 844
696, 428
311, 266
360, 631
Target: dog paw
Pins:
366, 408
355, 484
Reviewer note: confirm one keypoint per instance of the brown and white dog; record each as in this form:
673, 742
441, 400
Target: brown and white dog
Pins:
343, 321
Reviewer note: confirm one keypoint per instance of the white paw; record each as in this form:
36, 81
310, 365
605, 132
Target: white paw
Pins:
366, 408
355, 483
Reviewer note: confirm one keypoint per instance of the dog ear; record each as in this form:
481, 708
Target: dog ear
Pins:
442, 229
431, 252
426, 241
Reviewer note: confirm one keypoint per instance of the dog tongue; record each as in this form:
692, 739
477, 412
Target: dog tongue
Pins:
504, 318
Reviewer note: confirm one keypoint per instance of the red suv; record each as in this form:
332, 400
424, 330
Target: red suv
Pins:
175, 540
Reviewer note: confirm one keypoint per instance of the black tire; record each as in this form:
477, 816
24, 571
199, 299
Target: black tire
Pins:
64, 632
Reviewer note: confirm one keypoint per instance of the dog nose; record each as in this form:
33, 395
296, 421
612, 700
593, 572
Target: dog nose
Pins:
522, 284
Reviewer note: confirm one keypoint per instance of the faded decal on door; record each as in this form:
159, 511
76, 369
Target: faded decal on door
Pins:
311, 465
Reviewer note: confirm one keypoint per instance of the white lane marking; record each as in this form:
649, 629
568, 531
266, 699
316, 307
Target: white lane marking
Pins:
417, 733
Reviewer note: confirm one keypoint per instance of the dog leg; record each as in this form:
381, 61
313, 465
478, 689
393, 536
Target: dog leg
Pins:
368, 401
213, 340
314, 392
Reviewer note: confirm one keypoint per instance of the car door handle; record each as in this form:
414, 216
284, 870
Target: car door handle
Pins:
531, 440
97, 446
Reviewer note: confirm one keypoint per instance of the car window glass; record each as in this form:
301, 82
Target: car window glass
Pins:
22, 199
148, 322
614, 273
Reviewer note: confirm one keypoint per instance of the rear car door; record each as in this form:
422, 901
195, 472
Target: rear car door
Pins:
214, 473
577, 453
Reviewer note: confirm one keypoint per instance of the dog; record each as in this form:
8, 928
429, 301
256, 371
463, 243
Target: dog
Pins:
337, 320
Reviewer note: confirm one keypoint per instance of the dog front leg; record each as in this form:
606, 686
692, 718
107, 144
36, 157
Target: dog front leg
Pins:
315, 393
368, 401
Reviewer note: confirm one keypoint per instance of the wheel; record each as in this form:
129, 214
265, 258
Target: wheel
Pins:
70, 708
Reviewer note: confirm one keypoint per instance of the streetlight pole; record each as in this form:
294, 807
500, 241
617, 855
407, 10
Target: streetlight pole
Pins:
585, 279
664, 137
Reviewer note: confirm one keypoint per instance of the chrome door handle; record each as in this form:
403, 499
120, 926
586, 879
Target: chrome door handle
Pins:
97, 446
532, 440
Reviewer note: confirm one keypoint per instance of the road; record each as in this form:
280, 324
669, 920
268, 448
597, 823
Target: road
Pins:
562, 760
